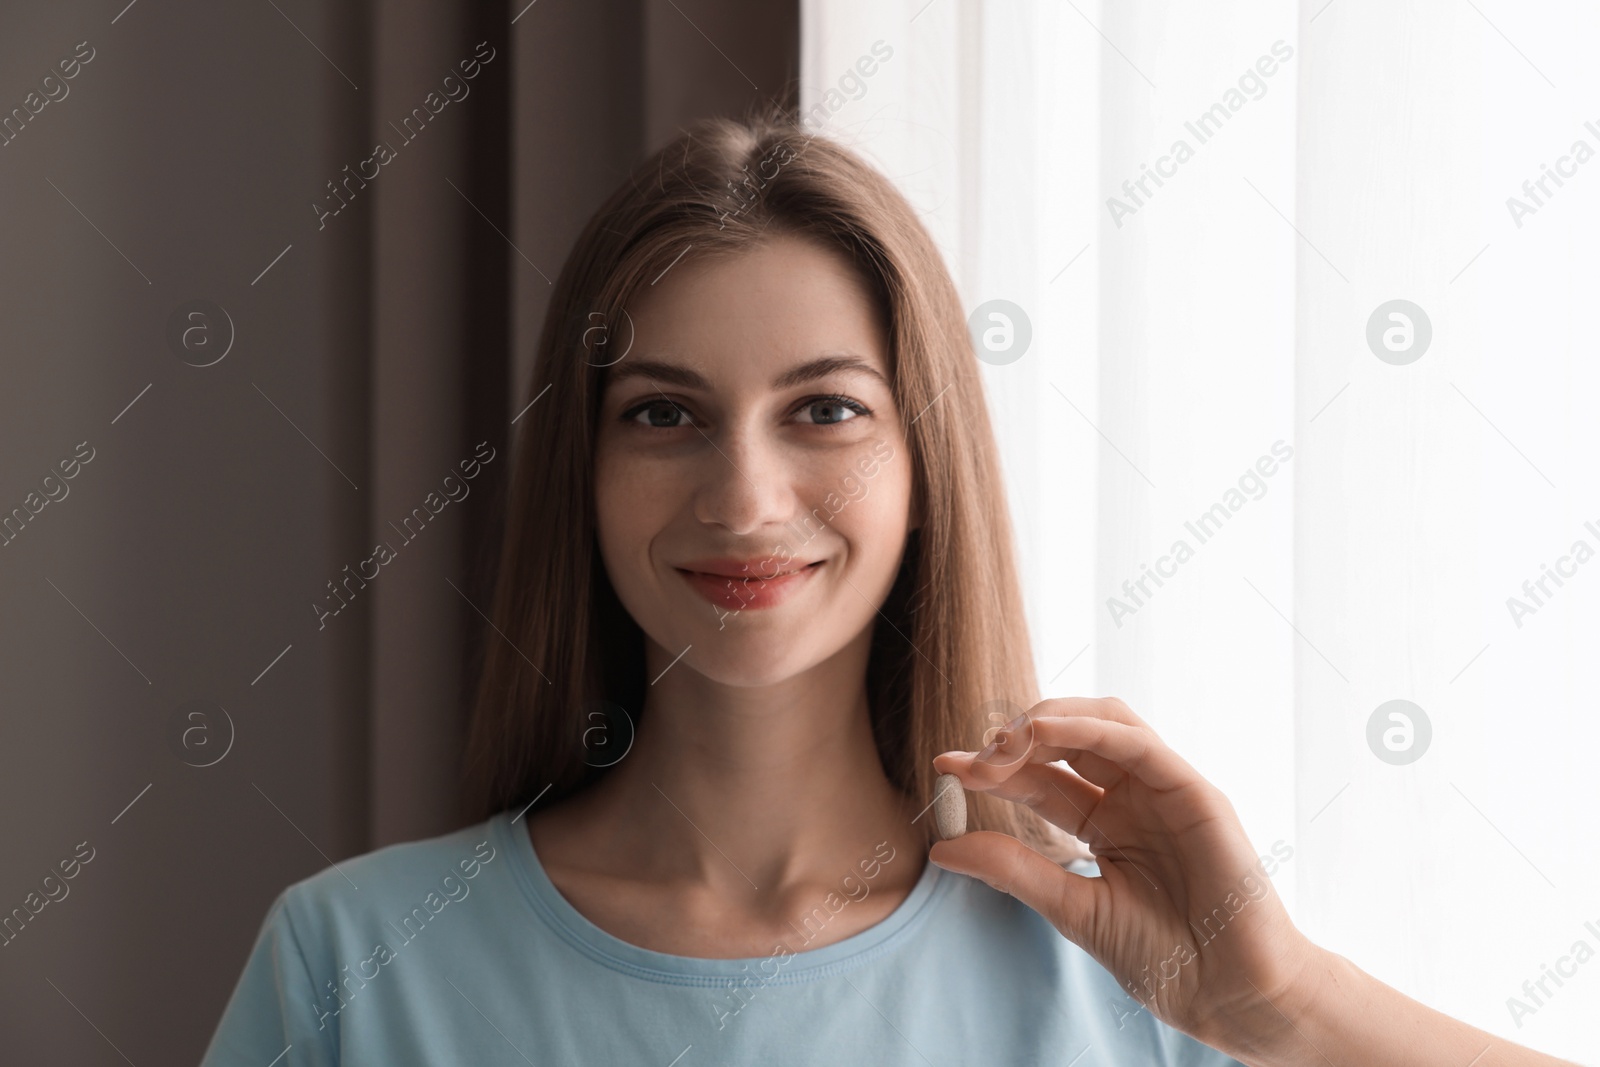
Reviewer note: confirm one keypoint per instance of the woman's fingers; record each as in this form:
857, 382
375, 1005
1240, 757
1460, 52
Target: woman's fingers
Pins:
1021, 732
1067, 900
1096, 707
1134, 749
1055, 792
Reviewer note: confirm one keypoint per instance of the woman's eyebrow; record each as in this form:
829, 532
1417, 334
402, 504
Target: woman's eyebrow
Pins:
821, 368
672, 374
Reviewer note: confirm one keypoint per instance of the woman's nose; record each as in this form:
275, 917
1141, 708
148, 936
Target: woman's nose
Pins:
746, 483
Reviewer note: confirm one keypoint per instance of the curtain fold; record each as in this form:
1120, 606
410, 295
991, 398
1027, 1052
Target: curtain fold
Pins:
215, 550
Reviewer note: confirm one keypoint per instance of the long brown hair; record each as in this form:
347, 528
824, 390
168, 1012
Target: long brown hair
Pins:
952, 639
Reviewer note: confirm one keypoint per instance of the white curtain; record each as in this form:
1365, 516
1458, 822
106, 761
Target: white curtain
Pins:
1362, 486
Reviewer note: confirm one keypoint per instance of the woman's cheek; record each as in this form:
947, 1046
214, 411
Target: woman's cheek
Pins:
875, 519
891, 492
621, 517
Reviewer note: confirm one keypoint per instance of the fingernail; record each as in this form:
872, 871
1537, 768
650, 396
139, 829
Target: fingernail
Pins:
1018, 721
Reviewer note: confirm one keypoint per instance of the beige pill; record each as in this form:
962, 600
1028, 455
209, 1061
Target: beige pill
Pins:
949, 806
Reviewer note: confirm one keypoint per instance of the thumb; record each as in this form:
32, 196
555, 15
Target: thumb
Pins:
1006, 865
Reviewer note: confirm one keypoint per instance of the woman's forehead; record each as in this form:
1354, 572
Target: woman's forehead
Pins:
686, 374
783, 312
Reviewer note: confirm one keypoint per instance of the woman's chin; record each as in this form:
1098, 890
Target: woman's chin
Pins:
742, 657
750, 662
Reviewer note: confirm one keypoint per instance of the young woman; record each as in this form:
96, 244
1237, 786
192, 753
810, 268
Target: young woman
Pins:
757, 592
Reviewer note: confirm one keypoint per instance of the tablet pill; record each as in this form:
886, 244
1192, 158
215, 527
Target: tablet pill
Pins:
949, 806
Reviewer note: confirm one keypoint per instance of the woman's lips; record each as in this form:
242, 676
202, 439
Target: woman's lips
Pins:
746, 592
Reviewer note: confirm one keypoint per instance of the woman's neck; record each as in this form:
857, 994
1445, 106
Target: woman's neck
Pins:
757, 798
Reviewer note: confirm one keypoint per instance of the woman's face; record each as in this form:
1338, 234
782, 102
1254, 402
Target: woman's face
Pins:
750, 434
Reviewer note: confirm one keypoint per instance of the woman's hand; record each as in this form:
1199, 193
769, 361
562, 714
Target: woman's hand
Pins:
1182, 913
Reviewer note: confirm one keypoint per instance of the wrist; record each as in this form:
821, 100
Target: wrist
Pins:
1316, 996
1278, 1026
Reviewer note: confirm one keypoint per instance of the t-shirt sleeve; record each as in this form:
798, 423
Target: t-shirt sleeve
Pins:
271, 1017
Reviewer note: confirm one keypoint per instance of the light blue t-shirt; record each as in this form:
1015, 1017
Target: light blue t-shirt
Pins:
460, 950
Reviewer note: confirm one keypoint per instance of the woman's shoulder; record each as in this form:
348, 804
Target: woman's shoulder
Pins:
1021, 945
394, 881
327, 936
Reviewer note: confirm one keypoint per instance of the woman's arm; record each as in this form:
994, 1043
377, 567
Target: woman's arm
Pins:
1182, 913
1344, 1015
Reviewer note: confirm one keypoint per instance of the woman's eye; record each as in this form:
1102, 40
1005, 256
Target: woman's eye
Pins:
668, 415
832, 410
661, 414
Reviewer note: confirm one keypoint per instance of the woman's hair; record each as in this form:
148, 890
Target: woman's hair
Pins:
951, 642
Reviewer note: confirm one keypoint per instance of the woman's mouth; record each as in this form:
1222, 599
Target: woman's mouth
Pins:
750, 589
